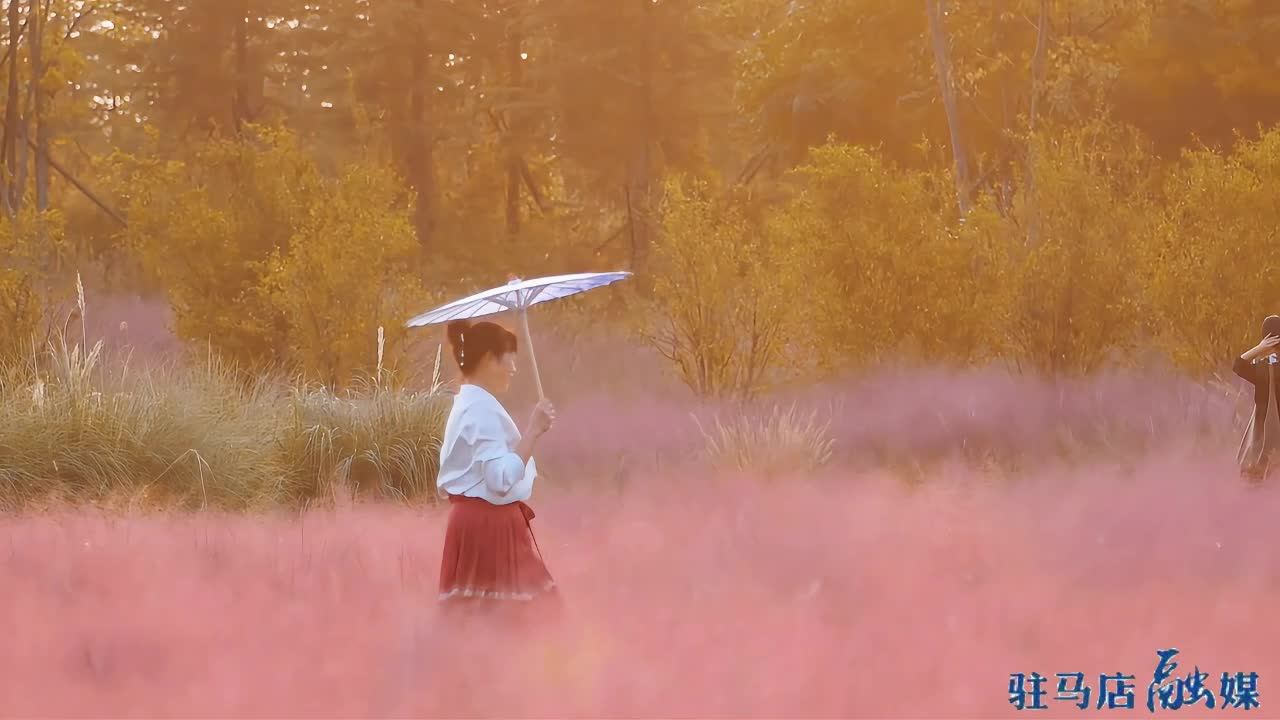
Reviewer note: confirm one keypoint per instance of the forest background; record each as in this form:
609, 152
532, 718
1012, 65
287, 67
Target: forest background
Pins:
806, 190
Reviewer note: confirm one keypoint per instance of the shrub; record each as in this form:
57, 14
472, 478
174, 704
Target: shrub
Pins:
267, 261
729, 302
205, 226
75, 428
348, 270
1075, 280
909, 280
28, 245
380, 440
783, 441
1212, 274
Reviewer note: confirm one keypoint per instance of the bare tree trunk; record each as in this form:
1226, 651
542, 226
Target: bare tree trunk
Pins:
942, 68
24, 153
240, 105
513, 199
1008, 122
1037, 87
8, 52
640, 192
66, 174
532, 186
12, 194
513, 127
37, 76
419, 146
515, 80
640, 200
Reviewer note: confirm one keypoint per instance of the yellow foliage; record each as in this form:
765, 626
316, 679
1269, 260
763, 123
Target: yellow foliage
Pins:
910, 279
1213, 267
268, 262
205, 227
1101, 249
730, 302
28, 243
348, 271
1075, 290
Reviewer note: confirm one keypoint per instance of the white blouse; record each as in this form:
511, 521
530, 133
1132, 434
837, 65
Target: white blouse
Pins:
477, 457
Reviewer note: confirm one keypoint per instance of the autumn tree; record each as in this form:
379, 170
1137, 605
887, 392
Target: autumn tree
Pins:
1205, 75
635, 87
28, 241
347, 271
1076, 293
926, 149
734, 304
910, 279
1210, 275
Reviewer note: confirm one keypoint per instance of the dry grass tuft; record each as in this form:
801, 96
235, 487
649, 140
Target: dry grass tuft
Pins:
782, 441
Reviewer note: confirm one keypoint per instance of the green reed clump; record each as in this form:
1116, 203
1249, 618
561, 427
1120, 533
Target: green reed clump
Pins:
378, 439
75, 428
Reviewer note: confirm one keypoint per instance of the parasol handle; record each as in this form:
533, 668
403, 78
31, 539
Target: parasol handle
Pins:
527, 341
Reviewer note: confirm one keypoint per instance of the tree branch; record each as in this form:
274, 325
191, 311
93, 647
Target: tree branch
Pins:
946, 84
525, 173
8, 52
65, 173
1037, 82
616, 234
756, 164
75, 24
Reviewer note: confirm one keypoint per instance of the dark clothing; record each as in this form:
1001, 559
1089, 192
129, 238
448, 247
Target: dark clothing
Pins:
1258, 375
1260, 446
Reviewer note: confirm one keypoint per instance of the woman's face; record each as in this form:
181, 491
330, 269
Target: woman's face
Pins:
498, 371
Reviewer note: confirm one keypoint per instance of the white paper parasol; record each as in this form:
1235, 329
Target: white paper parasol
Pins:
518, 296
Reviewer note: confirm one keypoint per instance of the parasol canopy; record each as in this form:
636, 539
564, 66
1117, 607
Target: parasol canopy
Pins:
518, 296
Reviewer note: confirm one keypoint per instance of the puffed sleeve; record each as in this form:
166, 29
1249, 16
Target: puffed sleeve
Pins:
503, 471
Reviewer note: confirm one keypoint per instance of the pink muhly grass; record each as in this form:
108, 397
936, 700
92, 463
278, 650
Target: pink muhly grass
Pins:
843, 593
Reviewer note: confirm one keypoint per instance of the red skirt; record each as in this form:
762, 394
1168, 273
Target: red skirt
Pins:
491, 559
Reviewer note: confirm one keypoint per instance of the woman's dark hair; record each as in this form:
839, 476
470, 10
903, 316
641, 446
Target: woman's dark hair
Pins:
472, 341
1271, 326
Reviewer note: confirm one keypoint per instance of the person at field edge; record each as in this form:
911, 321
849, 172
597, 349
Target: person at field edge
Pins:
491, 559
1260, 448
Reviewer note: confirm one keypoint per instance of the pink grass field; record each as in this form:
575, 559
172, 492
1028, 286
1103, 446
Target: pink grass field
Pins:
844, 595
689, 594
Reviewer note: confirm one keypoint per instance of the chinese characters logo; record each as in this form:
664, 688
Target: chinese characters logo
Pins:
1167, 691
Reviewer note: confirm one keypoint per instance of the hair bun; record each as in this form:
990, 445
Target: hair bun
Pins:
471, 342
455, 330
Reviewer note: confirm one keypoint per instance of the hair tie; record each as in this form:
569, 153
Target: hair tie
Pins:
462, 347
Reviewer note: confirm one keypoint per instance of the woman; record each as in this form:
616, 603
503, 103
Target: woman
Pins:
1260, 448
491, 559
